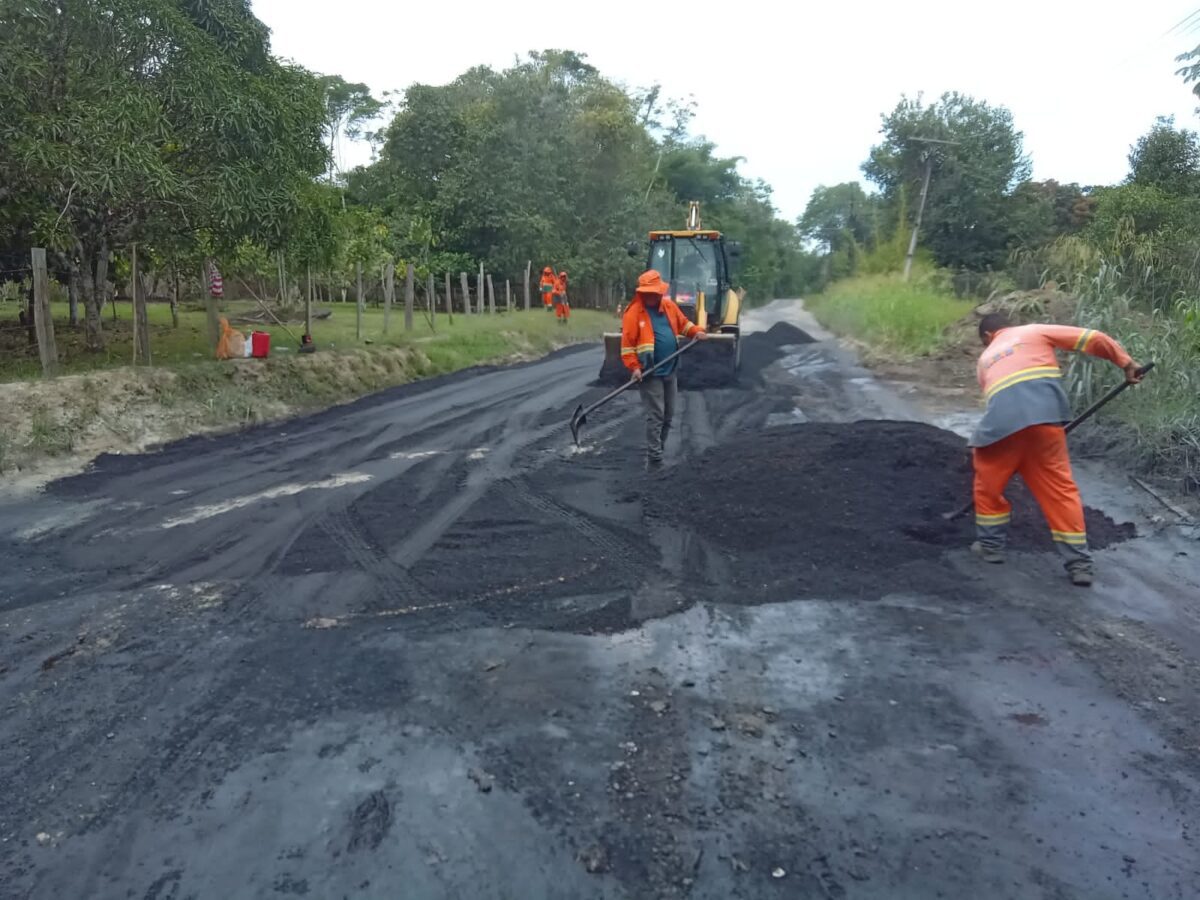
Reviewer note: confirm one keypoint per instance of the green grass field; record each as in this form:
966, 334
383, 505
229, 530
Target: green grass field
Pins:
469, 340
906, 318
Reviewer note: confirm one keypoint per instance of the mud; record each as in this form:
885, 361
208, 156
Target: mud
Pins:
424, 646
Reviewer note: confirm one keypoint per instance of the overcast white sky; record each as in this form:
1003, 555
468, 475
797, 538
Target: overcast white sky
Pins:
797, 88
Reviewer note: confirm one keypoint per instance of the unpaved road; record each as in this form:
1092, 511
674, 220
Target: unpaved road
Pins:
419, 647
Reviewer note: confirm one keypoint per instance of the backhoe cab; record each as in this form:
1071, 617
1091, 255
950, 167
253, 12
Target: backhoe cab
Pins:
697, 264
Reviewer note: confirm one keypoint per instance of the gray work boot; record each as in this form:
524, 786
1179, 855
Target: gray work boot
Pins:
987, 554
1080, 573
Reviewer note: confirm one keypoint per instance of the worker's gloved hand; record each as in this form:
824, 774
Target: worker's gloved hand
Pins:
701, 336
637, 375
1132, 375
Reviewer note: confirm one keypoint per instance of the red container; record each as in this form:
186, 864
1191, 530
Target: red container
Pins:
260, 344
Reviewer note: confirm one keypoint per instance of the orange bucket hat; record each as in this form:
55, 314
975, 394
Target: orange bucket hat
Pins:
652, 283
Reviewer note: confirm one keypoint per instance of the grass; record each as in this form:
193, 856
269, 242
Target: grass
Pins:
102, 404
469, 341
1158, 424
903, 318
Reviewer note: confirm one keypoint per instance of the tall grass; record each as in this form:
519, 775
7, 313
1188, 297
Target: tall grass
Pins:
906, 318
1160, 422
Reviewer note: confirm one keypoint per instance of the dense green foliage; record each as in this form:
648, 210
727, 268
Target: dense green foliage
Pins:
148, 120
169, 124
549, 162
1127, 252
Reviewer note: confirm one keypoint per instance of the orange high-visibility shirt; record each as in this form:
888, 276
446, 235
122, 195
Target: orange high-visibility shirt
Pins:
1021, 381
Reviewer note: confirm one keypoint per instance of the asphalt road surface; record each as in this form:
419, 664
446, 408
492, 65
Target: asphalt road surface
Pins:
420, 646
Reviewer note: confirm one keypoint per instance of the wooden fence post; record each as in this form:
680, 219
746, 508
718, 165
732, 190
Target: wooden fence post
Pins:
141, 321
491, 295
528, 269
73, 291
431, 302
133, 289
480, 293
42, 320
308, 301
449, 303
358, 312
389, 291
507, 295
466, 289
408, 297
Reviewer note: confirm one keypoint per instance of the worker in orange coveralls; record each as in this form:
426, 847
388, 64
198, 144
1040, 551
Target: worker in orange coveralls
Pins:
650, 332
547, 288
562, 308
1022, 431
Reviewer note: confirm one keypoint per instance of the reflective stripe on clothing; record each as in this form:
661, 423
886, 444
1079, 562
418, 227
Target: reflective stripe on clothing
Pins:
637, 334
1037, 401
1023, 375
1021, 381
1039, 454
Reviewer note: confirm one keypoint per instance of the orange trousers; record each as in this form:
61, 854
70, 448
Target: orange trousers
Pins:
561, 310
1039, 454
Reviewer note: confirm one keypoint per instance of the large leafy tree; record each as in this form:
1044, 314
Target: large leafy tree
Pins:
839, 214
133, 120
1041, 211
348, 107
1168, 158
551, 162
977, 161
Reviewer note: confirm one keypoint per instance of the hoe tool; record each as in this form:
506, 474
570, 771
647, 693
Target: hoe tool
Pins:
581, 414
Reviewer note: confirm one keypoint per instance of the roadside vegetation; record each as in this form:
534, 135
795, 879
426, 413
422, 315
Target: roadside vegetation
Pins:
905, 318
1121, 258
120, 408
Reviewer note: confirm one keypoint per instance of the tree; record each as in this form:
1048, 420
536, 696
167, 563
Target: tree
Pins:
966, 219
140, 119
1168, 158
347, 108
837, 215
550, 161
1044, 210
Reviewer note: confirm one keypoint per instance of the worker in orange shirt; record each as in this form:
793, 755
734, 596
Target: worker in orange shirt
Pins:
546, 287
1022, 431
650, 331
562, 308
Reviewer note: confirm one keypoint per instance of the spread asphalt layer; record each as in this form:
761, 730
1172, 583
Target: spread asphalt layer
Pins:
423, 646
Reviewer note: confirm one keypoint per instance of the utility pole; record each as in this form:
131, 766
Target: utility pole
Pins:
912, 243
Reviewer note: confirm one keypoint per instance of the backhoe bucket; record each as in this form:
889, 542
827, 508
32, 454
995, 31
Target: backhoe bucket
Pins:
713, 363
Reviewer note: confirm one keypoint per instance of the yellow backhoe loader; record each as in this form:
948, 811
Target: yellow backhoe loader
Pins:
697, 264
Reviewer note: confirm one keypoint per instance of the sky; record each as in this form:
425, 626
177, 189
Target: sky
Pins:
797, 89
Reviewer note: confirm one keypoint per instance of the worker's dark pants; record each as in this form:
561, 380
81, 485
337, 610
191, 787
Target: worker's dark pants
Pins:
658, 399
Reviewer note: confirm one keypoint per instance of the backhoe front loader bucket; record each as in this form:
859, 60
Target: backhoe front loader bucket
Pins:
714, 363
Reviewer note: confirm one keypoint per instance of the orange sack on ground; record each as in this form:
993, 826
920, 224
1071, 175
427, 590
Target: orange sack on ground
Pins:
232, 344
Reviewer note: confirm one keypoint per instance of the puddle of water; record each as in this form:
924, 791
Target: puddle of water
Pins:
806, 362
961, 423
793, 417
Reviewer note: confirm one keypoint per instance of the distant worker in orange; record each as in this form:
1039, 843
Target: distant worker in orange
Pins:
650, 331
547, 288
1022, 431
562, 307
